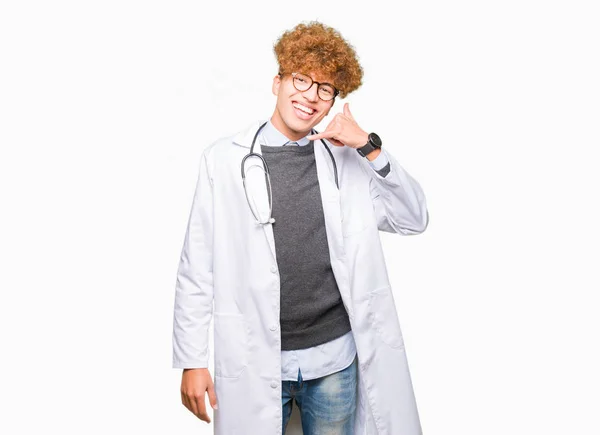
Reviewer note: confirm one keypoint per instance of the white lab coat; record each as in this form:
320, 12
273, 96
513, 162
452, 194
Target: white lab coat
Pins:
230, 260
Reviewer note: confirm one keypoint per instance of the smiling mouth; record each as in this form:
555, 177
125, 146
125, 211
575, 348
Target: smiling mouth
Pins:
302, 111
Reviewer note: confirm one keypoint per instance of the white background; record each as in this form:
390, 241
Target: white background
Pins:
105, 108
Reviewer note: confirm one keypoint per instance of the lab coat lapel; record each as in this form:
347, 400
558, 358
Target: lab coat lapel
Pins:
330, 196
256, 185
332, 212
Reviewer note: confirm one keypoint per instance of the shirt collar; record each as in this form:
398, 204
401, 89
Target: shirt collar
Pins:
274, 137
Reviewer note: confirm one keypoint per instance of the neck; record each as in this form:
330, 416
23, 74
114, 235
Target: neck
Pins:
292, 135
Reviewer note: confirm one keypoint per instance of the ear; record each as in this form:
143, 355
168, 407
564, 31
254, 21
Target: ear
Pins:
276, 84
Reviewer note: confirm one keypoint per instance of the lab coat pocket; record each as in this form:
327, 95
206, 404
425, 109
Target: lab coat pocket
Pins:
231, 344
355, 217
385, 317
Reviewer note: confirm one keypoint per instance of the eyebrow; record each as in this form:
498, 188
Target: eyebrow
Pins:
325, 82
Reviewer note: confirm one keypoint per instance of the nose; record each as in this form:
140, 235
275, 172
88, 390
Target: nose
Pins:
312, 93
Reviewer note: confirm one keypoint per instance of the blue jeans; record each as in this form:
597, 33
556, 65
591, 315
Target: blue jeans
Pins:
327, 405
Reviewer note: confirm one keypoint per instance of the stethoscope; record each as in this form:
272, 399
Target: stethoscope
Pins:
265, 169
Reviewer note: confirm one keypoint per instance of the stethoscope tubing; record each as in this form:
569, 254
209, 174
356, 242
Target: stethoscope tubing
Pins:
265, 169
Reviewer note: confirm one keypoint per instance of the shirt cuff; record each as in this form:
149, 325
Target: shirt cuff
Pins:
380, 162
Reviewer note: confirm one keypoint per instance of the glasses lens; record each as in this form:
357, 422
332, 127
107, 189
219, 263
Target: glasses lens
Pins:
326, 92
302, 82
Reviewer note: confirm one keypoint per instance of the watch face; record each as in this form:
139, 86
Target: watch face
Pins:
375, 139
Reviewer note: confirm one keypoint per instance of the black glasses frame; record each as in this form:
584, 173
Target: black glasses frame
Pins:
335, 93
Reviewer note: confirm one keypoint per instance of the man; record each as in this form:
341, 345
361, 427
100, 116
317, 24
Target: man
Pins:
292, 261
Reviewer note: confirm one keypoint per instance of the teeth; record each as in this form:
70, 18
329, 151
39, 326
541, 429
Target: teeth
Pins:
303, 108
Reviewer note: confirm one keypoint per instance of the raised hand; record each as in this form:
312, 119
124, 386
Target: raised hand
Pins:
343, 130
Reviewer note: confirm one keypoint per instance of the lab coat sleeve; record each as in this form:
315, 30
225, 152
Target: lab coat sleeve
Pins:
193, 306
398, 199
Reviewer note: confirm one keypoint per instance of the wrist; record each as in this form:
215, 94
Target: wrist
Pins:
373, 154
373, 144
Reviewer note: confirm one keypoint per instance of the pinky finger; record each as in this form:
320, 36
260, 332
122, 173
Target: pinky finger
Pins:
185, 401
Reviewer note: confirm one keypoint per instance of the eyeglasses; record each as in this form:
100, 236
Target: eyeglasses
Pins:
303, 82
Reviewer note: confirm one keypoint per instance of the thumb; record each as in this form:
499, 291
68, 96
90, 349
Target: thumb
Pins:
347, 111
212, 396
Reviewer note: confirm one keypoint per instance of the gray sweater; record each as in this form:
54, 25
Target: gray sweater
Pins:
312, 311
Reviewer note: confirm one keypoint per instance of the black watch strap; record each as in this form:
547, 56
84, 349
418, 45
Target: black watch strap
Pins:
366, 149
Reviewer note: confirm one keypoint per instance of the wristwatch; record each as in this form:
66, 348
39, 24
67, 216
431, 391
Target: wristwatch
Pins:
373, 143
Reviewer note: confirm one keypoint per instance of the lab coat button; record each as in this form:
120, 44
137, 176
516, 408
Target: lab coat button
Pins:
274, 269
273, 327
273, 384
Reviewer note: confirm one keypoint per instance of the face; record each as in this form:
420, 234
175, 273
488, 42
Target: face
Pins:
288, 117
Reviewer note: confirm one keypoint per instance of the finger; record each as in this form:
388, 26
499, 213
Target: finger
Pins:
332, 137
314, 136
347, 111
342, 121
212, 396
340, 117
318, 136
190, 403
185, 401
201, 406
331, 124
325, 134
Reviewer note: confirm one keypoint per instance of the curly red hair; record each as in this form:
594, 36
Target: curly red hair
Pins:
321, 49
